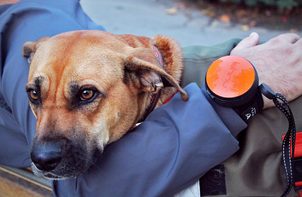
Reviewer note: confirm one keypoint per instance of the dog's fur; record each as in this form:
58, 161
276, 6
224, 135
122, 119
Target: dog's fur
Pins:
122, 69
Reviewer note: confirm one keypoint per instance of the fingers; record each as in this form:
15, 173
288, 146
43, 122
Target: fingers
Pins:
287, 37
250, 41
299, 42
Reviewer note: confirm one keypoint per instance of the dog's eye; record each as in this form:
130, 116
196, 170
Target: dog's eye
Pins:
87, 94
33, 95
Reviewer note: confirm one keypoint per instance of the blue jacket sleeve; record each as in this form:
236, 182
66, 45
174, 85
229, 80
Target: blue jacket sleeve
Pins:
170, 151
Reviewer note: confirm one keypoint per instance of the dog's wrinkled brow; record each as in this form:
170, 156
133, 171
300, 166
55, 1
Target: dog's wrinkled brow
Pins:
37, 82
74, 89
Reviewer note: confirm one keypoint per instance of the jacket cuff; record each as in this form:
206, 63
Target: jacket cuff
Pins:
227, 115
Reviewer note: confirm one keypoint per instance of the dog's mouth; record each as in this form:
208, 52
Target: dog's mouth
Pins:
59, 173
70, 167
57, 157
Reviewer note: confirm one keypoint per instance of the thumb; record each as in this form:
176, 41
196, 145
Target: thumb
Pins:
250, 41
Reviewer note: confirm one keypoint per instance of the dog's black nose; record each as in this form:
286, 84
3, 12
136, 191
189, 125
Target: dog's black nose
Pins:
47, 155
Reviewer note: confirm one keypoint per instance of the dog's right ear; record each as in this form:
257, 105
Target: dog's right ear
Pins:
30, 47
142, 71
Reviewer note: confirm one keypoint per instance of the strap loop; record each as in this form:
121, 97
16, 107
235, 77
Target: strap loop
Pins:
288, 143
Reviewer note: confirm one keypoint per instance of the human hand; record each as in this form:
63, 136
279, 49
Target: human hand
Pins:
278, 63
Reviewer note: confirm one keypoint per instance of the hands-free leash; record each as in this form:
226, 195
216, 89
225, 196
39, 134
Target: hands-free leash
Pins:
289, 141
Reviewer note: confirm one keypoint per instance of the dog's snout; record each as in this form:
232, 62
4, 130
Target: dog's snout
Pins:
47, 155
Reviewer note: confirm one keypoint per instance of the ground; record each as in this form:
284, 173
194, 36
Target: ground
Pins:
189, 25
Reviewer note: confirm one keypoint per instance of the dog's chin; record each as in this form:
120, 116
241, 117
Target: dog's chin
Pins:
49, 175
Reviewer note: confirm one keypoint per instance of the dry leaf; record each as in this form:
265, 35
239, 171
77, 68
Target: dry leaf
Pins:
209, 12
171, 11
225, 18
245, 27
241, 13
252, 23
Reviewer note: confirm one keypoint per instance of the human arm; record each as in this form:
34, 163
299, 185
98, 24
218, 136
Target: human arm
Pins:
176, 145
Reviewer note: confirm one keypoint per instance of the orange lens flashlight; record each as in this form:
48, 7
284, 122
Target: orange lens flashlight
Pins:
231, 81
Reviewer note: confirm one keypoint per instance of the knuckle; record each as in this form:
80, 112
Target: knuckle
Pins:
294, 35
275, 40
299, 45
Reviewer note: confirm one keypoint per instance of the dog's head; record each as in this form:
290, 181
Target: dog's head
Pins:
87, 89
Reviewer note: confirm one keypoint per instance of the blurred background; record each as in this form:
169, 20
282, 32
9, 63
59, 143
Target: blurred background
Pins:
197, 22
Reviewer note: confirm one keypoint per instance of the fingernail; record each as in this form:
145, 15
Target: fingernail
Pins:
253, 34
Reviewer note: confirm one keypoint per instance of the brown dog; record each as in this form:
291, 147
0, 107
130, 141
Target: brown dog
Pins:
88, 88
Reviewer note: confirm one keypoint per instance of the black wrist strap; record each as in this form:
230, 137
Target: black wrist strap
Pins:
288, 143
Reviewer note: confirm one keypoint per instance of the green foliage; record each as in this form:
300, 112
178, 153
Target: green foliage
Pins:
281, 4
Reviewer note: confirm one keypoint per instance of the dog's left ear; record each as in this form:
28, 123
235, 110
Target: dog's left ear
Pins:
143, 70
30, 47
